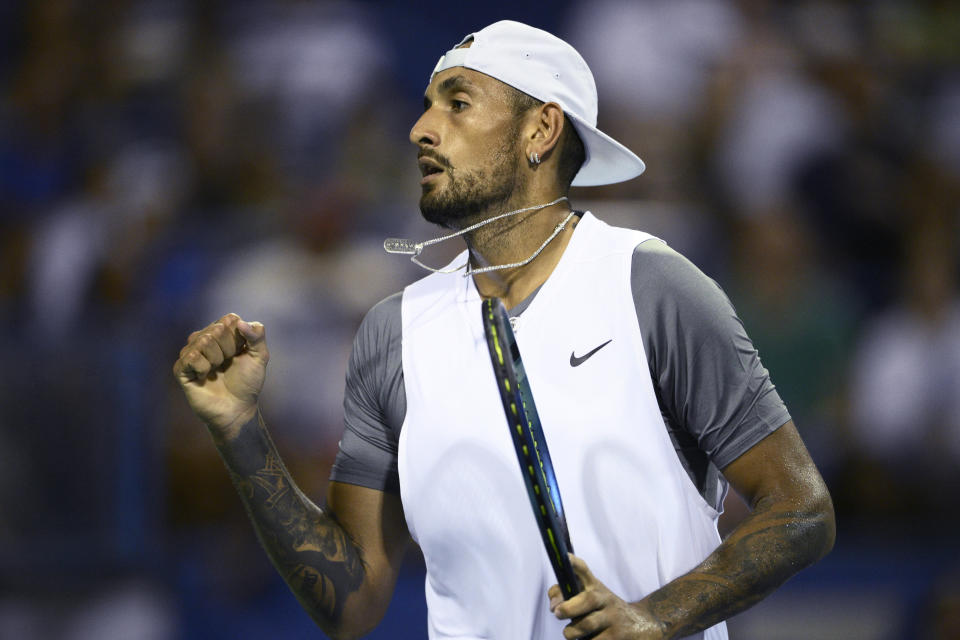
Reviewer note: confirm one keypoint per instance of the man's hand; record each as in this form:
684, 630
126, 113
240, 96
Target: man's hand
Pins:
791, 525
221, 370
599, 613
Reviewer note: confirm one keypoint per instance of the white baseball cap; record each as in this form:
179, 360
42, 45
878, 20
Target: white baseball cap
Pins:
546, 68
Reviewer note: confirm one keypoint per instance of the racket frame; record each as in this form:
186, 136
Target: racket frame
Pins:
529, 442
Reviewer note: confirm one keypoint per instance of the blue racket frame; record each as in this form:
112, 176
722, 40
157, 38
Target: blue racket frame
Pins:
529, 442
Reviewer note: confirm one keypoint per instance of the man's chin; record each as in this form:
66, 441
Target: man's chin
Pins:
436, 215
434, 210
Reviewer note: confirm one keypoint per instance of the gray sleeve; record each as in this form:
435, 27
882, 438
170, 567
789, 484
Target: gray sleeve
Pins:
707, 374
374, 402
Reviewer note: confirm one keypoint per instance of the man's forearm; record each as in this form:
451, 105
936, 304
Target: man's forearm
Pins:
310, 549
772, 544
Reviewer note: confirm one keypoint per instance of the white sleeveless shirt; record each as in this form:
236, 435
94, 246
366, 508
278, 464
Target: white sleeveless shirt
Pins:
634, 515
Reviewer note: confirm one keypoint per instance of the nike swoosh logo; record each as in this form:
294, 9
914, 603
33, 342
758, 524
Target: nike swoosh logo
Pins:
577, 361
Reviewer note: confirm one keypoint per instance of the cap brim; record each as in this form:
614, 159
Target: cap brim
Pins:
607, 161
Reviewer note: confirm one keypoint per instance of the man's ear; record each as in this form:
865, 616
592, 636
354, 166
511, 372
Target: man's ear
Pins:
547, 128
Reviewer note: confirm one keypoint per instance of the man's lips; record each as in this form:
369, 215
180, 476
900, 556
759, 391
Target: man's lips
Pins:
429, 168
430, 177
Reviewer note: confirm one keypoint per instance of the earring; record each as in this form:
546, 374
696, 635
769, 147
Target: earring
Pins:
534, 157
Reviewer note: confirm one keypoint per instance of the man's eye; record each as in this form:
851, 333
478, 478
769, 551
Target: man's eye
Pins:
458, 105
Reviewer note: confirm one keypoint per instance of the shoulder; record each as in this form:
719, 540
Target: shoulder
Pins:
383, 320
678, 306
657, 265
377, 343
385, 310
661, 276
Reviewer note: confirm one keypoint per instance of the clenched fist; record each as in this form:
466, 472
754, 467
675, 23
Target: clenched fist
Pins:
221, 370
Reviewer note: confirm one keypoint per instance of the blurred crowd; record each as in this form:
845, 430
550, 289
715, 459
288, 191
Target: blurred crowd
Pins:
165, 162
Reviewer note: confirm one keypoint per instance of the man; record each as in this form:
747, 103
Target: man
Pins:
662, 390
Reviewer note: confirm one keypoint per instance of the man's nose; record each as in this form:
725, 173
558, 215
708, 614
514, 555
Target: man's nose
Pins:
424, 133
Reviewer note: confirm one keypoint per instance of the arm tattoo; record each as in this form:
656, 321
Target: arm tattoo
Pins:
768, 548
311, 550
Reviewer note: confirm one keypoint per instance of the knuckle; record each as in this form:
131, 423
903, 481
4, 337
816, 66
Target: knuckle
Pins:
593, 599
226, 339
573, 631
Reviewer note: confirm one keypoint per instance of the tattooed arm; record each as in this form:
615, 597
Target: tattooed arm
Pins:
342, 561
791, 526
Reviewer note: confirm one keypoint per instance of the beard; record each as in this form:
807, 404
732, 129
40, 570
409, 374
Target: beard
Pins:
469, 195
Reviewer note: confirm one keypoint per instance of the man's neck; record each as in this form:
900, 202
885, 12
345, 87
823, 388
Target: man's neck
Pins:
514, 239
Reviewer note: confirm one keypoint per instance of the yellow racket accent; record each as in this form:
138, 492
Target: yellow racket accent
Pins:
496, 344
519, 408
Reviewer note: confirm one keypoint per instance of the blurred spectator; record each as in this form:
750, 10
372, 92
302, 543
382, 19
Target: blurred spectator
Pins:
106, 230
653, 63
906, 374
314, 61
667, 48
117, 611
801, 320
942, 618
776, 121
944, 129
38, 139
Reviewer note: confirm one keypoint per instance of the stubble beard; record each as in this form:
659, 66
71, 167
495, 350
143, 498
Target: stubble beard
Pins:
472, 196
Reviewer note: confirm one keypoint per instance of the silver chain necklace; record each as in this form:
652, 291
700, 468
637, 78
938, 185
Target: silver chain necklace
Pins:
414, 249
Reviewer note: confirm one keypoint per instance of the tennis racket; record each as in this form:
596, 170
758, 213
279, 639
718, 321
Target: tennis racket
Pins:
529, 443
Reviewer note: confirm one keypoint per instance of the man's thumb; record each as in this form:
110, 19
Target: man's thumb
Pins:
254, 333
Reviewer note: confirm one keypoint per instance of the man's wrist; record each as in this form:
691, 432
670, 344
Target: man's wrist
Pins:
645, 612
225, 434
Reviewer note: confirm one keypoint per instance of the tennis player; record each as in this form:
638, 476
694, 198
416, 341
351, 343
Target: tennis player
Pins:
652, 397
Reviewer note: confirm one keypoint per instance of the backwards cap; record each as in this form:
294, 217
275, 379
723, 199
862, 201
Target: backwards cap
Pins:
545, 67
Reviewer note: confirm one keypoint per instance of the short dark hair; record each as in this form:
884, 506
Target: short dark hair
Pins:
570, 147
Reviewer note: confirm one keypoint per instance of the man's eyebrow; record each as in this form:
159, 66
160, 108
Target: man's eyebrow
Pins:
453, 83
